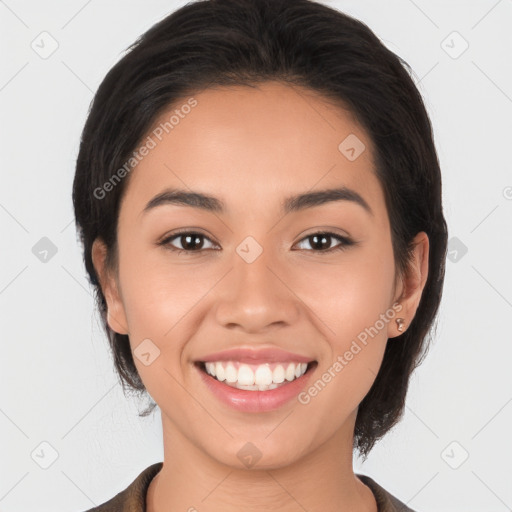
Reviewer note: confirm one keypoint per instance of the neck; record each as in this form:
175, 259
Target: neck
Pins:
323, 479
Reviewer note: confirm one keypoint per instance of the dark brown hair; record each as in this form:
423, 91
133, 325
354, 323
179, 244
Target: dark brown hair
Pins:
299, 42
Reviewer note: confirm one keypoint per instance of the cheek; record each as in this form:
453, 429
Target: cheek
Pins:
351, 308
156, 292
164, 303
350, 296
161, 302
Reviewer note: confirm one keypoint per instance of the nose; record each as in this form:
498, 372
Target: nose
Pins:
256, 296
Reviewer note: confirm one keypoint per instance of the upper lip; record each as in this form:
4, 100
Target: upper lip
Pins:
256, 356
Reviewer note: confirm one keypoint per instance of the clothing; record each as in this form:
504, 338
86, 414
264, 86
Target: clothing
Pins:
133, 498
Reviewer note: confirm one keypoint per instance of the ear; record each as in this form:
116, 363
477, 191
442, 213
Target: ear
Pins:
412, 283
116, 317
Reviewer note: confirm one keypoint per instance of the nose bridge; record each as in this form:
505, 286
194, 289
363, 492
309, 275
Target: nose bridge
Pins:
254, 295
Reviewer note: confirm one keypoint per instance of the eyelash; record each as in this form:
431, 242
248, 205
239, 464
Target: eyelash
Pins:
345, 242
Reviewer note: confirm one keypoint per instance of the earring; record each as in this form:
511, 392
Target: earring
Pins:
400, 323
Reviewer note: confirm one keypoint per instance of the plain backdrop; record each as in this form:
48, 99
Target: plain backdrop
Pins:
69, 439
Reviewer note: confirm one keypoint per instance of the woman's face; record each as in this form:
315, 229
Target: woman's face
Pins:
255, 276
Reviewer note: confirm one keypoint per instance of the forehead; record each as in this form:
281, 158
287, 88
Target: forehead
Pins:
254, 146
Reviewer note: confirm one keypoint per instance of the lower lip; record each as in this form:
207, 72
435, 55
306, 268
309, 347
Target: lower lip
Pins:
256, 401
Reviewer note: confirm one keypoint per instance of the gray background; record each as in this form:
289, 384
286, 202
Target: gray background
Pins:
452, 450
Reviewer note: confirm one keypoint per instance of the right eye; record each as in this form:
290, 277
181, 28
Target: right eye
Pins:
189, 241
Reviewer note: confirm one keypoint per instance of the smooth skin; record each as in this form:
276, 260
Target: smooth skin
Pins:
252, 147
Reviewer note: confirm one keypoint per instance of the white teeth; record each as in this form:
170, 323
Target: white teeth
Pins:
263, 376
245, 375
219, 372
278, 374
254, 378
290, 372
300, 369
231, 373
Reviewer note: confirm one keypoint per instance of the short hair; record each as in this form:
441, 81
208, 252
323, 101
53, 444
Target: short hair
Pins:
211, 43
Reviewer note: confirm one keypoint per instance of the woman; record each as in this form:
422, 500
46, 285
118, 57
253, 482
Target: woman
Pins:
259, 200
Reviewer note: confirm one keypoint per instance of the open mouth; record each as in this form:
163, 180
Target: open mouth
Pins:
255, 377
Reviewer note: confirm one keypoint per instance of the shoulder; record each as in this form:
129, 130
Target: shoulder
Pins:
386, 502
133, 498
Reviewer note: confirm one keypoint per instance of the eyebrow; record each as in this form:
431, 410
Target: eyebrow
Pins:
291, 204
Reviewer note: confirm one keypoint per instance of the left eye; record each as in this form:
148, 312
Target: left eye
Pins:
191, 241
319, 239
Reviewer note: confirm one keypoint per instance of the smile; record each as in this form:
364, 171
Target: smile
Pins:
255, 387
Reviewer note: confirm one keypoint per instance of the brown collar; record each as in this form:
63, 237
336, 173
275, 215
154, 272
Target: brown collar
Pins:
133, 498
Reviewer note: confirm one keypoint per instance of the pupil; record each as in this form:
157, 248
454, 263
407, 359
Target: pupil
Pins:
323, 238
188, 245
